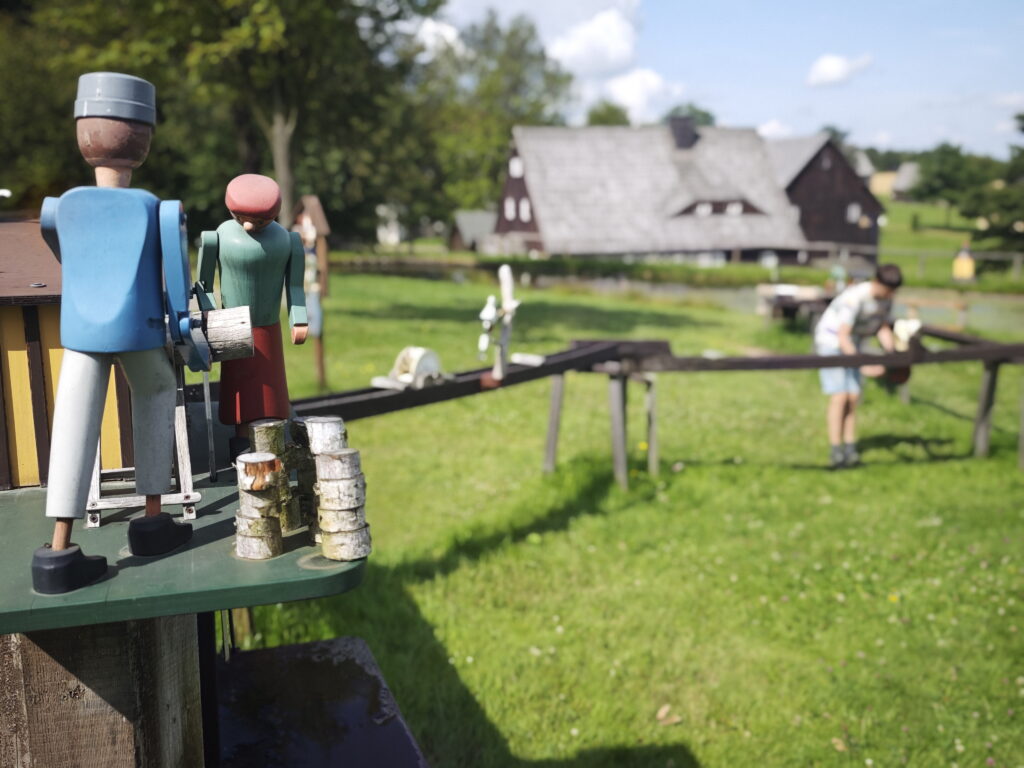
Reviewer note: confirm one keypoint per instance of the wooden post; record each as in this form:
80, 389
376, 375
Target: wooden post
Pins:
554, 421
1020, 435
120, 695
653, 459
986, 399
617, 390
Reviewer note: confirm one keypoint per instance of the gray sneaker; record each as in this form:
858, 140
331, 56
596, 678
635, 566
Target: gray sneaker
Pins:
837, 457
852, 458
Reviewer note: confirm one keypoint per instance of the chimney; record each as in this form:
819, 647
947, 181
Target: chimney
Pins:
684, 131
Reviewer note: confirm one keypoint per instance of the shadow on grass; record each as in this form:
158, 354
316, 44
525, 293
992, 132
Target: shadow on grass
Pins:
448, 722
926, 444
539, 315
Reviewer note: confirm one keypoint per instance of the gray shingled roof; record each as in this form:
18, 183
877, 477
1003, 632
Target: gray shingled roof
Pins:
475, 225
790, 156
862, 164
612, 190
907, 176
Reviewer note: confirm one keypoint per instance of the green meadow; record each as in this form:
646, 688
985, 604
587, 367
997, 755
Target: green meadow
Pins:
747, 606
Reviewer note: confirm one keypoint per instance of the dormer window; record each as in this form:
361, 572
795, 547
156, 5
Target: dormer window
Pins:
735, 208
703, 209
515, 167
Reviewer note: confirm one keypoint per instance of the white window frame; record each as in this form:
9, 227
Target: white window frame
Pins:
734, 208
853, 212
510, 208
515, 167
525, 210
703, 210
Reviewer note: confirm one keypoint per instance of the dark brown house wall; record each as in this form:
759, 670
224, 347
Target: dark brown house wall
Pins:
515, 190
824, 191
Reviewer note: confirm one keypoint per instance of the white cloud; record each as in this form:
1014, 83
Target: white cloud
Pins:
602, 44
881, 139
436, 35
774, 129
644, 93
1013, 100
832, 69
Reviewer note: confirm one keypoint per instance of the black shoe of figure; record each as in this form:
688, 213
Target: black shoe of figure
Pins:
156, 535
64, 570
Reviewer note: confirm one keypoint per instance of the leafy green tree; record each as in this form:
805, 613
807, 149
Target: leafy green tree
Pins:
1000, 203
947, 173
241, 84
607, 112
699, 115
473, 93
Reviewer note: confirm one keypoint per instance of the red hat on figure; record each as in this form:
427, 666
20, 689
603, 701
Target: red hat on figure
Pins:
253, 195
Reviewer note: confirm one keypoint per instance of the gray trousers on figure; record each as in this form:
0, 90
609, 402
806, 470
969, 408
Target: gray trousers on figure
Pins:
78, 414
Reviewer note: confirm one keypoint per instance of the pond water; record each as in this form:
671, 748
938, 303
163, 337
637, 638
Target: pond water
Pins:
985, 312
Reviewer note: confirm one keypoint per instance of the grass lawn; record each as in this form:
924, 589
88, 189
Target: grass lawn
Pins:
934, 234
746, 608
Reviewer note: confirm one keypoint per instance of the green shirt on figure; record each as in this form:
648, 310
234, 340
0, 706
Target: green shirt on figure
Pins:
253, 268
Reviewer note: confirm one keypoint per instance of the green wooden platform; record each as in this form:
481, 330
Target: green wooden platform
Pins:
204, 575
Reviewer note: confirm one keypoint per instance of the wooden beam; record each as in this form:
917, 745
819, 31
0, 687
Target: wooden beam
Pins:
983, 419
554, 421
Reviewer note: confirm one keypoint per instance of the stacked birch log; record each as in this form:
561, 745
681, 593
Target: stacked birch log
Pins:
258, 520
329, 498
340, 490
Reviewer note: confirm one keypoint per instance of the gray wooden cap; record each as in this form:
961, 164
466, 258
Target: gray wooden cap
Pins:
117, 96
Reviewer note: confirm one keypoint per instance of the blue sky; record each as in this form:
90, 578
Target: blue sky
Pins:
895, 74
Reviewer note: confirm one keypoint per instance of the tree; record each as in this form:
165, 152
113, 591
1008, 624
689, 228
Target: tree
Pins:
472, 94
1000, 203
239, 84
606, 112
947, 173
700, 116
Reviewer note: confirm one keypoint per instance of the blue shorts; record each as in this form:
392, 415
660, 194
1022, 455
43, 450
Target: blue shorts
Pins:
314, 315
837, 381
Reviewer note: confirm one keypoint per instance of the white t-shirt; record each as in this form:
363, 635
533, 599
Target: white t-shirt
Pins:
857, 308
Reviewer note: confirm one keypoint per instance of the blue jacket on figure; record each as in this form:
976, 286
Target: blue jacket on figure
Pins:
109, 242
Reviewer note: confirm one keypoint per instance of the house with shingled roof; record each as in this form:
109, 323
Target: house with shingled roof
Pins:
674, 189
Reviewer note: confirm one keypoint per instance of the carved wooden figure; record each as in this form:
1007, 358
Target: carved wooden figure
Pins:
257, 258
124, 268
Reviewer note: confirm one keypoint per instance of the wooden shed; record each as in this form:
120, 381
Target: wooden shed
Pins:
30, 358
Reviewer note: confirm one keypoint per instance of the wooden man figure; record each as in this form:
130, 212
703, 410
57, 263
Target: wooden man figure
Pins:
119, 247
312, 226
257, 257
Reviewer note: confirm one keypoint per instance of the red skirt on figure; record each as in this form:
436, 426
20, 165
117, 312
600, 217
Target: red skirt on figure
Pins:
256, 387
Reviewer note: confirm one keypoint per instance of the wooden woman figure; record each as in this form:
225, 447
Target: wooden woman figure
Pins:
257, 257
124, 269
